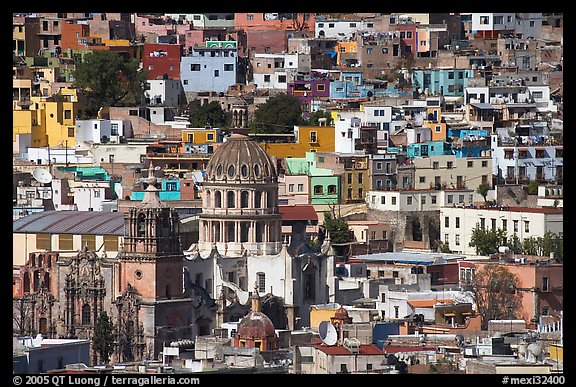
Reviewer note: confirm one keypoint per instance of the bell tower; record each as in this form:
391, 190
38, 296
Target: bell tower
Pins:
151, 307
152, 260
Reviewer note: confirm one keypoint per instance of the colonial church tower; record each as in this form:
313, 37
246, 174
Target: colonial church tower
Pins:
152, 259
151, 307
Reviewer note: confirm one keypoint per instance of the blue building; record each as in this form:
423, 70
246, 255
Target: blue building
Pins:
170, 190
468, 142
431, 148
447, 82
350, 85
210, 68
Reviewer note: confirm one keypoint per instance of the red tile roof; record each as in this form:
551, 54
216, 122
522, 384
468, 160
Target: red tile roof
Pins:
298, 212
335, 350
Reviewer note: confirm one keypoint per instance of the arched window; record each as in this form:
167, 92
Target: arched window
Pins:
332, 189
259, 232
256, 170
46, 284
244, 232
318, 189
231, 199
26, 282
231, 170
208, 201
218, 199
244, 199
86, 314
258, 199
141, 226
244, 170
231, 232
216, 232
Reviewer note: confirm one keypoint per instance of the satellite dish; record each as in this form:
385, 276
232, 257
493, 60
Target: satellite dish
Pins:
42, 176
328, 333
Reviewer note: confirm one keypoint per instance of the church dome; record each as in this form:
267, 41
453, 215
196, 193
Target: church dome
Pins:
256, 325
240, 159
341, 314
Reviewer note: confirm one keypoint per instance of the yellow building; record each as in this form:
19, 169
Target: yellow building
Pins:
307, 139
199, 136
319, 313
51, 122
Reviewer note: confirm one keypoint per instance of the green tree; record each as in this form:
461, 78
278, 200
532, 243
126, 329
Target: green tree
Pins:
533, 188
482, 190
494, 289
487, 242
209, 114
278, 114
103, 340
106, 80
317, 115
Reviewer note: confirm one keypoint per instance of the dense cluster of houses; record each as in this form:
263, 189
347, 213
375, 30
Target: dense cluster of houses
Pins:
439, 124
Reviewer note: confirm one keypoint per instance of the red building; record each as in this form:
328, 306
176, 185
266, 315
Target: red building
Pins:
160, 59
408, 39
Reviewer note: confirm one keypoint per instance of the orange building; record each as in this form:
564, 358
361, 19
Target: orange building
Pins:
307, 139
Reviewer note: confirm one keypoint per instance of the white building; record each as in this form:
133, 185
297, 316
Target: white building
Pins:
270, 72
60, 155
493, 22
240, 239
457, 224
419, 200
99, 131
347, 129
329, 28
166, 92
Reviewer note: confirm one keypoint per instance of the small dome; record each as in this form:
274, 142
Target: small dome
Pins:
341, 314
256, 325
240, 159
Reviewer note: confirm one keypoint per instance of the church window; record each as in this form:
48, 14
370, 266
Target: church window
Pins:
231, 170
141, 226
244, 228
231, 232
244, 170
244, 199
258, 200
261, 282
231, 199
256, 170
218, 199
26, 282
86, 314
219, 170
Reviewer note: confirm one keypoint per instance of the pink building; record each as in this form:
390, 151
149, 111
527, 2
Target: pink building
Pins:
541, 286
297, 190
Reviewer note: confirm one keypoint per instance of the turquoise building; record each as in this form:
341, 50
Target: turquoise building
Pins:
447, 82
